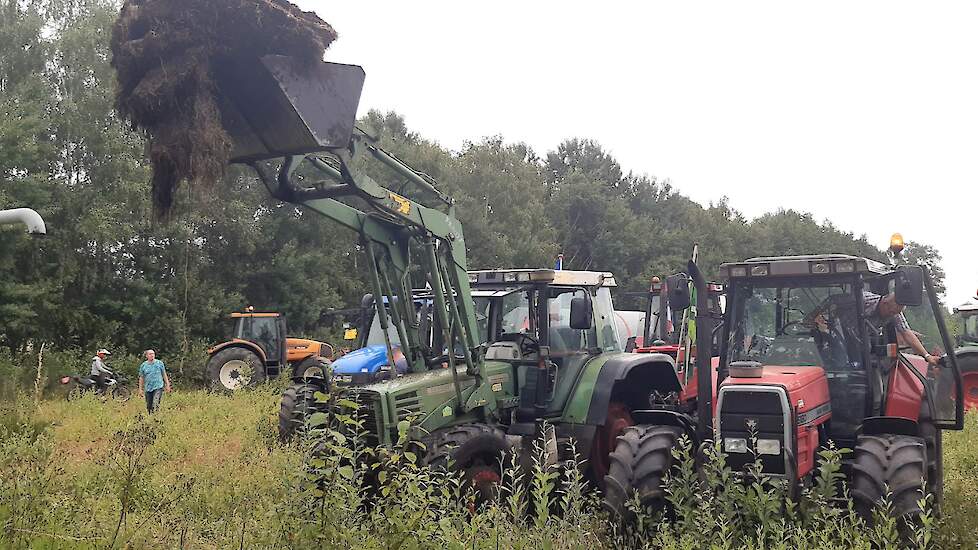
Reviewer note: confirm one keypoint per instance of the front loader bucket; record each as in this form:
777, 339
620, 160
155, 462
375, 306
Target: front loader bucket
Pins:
280, 106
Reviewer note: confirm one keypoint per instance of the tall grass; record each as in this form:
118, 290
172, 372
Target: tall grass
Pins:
207, 472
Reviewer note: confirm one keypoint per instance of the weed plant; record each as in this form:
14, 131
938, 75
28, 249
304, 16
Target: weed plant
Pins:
208, 472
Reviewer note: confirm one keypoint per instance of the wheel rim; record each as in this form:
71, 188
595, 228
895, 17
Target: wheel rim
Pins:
606, 437
121, 394
485, 480
235, 374
312, 372
969, 381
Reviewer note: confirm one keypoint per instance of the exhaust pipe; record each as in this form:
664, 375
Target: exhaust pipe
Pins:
704, 354
26, 216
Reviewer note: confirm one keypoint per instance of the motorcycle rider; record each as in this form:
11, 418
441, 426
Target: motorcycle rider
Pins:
100, 373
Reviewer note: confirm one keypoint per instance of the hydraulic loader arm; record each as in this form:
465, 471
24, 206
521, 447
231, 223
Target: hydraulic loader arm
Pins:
306, 118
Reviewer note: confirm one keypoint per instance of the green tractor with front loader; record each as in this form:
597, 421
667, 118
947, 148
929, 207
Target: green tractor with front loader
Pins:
540, 350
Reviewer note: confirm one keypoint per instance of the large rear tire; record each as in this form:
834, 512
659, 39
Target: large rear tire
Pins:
236, 368
894, 463
606, 439
968, 365
477, 450
639, 464
298, 402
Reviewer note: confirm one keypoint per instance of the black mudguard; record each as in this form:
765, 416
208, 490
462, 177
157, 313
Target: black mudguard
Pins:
631, 378
877, 425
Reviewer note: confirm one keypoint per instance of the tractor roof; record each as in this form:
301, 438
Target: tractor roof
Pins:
817, 265
971, 306
556, 277
254, 314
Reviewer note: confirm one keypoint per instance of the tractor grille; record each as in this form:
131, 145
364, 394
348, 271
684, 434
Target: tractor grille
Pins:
408, 406
369, 413
738, 410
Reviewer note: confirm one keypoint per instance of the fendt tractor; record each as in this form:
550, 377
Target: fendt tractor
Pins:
259, 349
563, 367
804, 360
967, 351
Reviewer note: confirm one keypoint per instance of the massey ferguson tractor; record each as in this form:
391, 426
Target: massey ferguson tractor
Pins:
552, 365
804, 359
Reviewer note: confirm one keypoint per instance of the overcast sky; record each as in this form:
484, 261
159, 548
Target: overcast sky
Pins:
862, 113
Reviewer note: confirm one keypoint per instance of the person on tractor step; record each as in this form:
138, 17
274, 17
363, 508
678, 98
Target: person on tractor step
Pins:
100, 373
152, 381
881, 310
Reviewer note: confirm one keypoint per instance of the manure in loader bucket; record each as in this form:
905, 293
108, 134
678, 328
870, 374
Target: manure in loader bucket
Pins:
170, 57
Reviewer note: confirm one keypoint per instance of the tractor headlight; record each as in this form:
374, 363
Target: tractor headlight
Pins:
820, 268
768, 447
735, 445
845, 267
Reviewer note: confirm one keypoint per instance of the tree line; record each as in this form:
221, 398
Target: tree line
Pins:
108, 274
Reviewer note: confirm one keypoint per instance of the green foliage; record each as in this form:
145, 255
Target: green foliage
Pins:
110, 275
96, 472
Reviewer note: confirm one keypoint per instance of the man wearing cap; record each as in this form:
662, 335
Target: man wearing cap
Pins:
881, 310
100, 372
152, 381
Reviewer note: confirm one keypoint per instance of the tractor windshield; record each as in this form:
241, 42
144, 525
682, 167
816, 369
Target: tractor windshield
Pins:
971, 327
799, 325
376, 335
515, 317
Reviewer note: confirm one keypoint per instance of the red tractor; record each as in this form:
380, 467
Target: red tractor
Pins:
805, 359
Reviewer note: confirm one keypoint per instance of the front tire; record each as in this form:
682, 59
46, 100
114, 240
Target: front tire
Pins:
232, 369
639, 464
298, 402
121, 393
314, 367
887, 462
75, 393
477, 450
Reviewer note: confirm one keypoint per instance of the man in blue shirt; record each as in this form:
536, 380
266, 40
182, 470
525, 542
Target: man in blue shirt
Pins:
153, 380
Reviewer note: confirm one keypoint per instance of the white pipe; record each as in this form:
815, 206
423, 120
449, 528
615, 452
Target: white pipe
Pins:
26, 216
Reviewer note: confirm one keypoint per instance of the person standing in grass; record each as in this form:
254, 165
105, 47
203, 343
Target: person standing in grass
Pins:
153, 380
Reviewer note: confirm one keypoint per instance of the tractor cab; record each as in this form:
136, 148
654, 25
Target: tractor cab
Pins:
548, 324
266, 330
969, 323
815, 348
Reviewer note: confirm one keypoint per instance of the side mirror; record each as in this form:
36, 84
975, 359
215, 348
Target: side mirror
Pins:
630, 344
909, 289
678, 289
580, 313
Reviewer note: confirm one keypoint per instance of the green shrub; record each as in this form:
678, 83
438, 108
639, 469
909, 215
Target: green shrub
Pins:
207, 472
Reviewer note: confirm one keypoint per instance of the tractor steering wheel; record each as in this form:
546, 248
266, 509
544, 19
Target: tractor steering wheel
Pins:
528, 344
796, 328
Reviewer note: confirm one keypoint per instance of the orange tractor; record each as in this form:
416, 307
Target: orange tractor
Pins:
259, 349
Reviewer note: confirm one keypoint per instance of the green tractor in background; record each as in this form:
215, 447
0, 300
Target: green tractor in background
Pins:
540, 350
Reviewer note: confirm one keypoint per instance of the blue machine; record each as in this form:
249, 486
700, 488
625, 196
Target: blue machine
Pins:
370, 363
